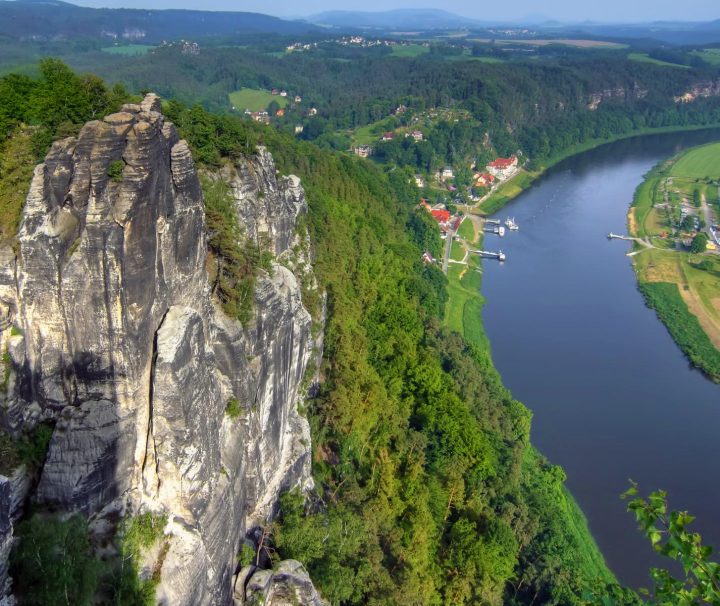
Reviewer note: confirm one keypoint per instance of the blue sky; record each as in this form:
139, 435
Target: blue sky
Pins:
566, 10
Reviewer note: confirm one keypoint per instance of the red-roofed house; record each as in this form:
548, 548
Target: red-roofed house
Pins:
484, 180
503, 167
388, 136
441, 216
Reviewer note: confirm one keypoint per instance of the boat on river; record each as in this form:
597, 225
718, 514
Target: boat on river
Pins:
510, 224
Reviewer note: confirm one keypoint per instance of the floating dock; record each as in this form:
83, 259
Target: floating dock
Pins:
492, 221
498, 230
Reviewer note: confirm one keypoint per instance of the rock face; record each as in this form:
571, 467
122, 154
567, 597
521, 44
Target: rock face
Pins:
287, 584
699, 90
5, 537
124, 348
618, 93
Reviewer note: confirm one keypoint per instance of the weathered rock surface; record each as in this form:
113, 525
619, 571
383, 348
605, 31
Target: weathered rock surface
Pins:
124, 348
5, 536
699, 90
288, 584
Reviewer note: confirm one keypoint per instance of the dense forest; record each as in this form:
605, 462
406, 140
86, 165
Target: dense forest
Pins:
540, 107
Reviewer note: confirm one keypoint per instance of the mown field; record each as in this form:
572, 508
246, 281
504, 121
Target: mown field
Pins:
254, 99
699, 163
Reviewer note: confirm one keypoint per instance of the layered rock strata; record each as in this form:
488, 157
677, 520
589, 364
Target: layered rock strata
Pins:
124, 349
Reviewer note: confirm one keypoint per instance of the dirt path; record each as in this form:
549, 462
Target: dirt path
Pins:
710, 325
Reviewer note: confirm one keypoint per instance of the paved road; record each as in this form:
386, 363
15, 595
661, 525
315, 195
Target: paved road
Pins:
448, 248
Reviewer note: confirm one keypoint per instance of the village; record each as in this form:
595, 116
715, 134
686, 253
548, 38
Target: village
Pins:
461, 243
356, 41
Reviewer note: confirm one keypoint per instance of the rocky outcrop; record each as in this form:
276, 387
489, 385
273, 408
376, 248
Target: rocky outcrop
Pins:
700, 90
5, 538
14, 490
619, 93
287, 584
124, 348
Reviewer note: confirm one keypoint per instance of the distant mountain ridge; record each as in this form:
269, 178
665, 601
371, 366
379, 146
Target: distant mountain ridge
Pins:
407, 18
56, 20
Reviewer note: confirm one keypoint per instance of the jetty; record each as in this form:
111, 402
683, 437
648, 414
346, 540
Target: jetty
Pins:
488, 254
612, 236
492, 221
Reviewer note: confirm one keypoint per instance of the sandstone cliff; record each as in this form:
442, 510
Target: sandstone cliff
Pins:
124, 349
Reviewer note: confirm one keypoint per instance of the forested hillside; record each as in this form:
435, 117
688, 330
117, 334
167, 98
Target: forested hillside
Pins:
428, 490
540, 107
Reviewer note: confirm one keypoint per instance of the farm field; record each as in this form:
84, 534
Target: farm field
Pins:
128, 50
254, 99
710, 55
563, 41
411, 50
700, 163
645, 58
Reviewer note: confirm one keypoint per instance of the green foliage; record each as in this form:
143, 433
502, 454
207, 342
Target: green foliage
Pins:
57, 98
237, 260
137, 534
17, 161
668, 533
669, 536
247, 556
233, 409
53, 563
115, 170
30, 449
699, 243
684, 327
33, 112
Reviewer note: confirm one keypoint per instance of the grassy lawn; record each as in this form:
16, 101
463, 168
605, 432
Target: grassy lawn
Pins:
645, 58
254, 99
457, 252
507, 191
699, 163
467, 230
709, 55
128, 50
411, 50
463, 313
371, 133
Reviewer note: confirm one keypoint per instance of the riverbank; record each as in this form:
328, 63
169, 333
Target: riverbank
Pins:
463, 313
681, 286
570, 532
512, 188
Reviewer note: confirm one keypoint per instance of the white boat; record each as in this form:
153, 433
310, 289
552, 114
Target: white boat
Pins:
510, 224
501, 231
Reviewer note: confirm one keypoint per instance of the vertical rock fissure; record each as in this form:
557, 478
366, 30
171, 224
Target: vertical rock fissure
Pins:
150, 436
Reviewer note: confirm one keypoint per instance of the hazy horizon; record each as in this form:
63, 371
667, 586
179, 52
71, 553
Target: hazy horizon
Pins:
611, 11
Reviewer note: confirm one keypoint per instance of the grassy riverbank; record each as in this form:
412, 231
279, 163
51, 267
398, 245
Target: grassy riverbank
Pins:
682, 287
512, 188
568, 535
